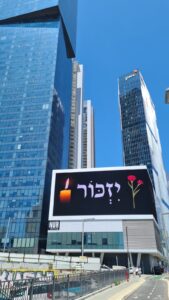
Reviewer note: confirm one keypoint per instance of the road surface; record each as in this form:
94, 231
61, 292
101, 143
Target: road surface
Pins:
153, 289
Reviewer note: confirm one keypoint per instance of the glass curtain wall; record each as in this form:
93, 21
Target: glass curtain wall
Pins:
35, 95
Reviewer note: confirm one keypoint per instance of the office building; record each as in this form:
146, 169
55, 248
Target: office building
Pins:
76, 122
141, 142
94, 212
88, 155
37, 41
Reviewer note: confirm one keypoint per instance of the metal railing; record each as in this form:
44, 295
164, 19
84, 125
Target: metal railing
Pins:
67, 287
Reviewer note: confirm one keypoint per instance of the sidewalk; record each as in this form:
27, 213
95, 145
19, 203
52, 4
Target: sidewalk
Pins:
118, 292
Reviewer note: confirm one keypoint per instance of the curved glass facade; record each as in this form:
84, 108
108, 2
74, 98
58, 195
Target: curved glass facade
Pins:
92, 240
35, 95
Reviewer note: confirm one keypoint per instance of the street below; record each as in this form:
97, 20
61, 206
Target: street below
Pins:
147, 287
153, 289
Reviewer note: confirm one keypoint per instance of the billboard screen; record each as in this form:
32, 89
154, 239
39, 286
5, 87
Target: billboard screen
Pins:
103, 192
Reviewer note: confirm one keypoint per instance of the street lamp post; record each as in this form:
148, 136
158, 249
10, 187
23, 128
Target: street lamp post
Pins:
82, 250
117, 261
82, 244
127, 242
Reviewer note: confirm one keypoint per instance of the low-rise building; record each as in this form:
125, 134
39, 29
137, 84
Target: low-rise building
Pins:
107, 213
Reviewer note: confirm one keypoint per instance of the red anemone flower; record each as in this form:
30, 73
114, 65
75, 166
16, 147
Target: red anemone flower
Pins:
140, 182
131, 178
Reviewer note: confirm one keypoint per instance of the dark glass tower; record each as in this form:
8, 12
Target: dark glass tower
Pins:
134, 131
141, 141
37, 42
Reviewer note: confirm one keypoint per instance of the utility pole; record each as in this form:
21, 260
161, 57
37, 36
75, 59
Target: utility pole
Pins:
127, 241
82, 250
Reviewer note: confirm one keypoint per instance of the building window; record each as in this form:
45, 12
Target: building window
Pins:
104, 241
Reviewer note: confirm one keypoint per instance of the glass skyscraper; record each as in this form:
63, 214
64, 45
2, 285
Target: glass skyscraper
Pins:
37, 42
141, 142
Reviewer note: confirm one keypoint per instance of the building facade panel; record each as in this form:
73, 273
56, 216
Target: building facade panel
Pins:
140, 234
68, 11
10, 9
88, 155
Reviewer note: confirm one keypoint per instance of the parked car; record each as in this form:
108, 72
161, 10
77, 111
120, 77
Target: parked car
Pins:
157, 270
138, 271
131, 270
135, 270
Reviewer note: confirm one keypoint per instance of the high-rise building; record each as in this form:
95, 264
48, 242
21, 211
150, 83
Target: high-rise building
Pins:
81, 149
88, 155
141, 142
37, 41
76, 122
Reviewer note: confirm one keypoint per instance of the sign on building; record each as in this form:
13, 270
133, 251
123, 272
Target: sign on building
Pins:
102, 192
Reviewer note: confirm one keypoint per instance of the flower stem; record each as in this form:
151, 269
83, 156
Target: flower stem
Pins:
136, 188
133, 196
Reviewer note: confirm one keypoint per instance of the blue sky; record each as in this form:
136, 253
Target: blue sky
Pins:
114, 37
